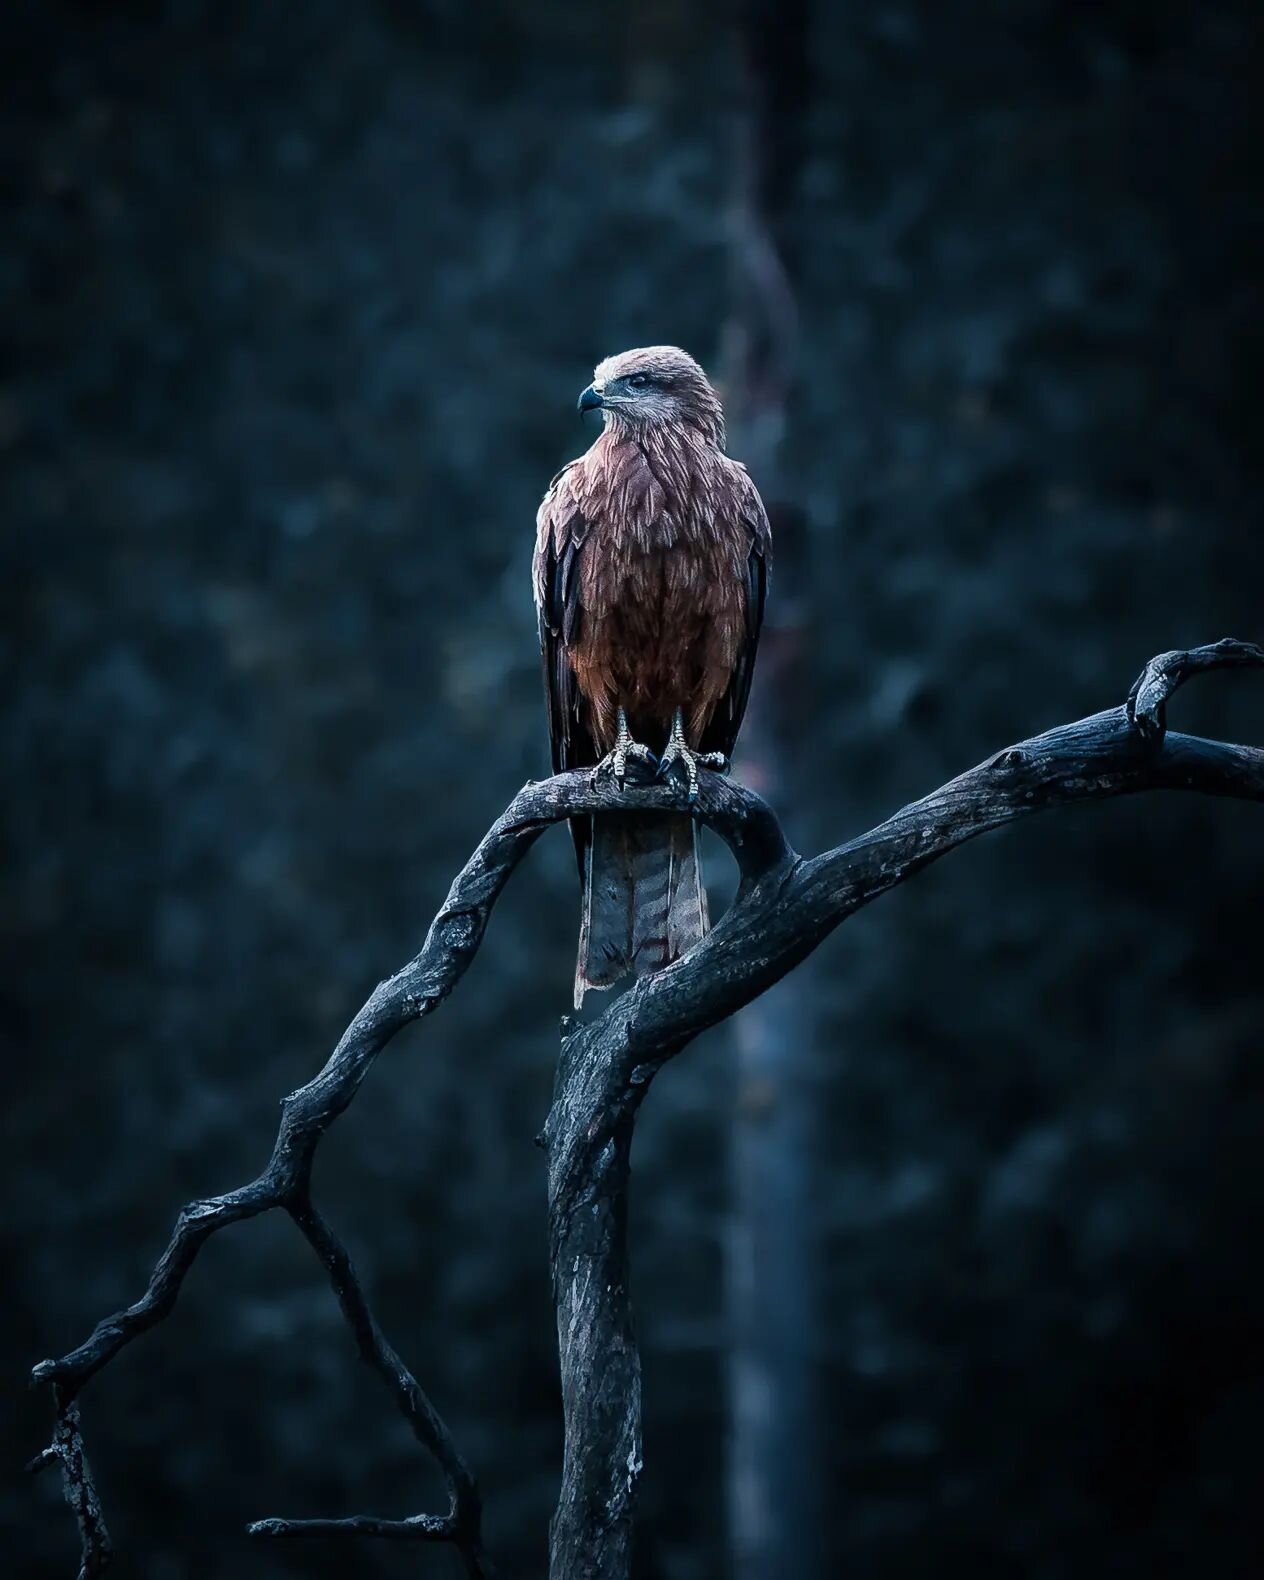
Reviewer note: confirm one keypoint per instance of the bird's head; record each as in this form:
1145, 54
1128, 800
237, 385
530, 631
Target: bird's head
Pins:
651, 387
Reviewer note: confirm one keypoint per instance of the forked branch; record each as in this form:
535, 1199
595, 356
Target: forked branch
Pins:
785, 906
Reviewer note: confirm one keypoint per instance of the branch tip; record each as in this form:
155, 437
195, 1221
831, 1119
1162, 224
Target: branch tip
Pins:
1167, 672
417, 1527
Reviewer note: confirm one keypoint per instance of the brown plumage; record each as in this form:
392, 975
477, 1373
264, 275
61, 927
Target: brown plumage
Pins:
650, 573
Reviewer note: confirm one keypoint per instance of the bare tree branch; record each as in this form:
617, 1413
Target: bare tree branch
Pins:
78, 1488
461, 1526
782, 912
784, 907
306, 1114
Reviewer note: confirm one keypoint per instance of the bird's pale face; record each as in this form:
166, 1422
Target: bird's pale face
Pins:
651, 387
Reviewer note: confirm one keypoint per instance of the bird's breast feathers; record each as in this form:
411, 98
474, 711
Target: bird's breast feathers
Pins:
645, 521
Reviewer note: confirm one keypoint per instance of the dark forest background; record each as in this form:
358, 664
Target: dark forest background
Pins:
297, 300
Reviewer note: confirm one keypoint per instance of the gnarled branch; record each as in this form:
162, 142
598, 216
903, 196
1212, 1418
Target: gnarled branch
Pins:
785, 906
79, 1490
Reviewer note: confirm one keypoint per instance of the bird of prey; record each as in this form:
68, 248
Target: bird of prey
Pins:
651, 567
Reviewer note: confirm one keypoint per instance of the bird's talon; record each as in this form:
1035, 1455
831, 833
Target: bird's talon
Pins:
614, 765
678, 759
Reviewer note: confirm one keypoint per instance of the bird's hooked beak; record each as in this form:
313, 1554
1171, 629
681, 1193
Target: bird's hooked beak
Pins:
590, 400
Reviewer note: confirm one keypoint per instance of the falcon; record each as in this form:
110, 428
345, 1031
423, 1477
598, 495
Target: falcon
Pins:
650, 574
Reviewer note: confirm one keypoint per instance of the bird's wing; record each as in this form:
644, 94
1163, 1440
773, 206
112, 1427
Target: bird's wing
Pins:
561, 531
720, 734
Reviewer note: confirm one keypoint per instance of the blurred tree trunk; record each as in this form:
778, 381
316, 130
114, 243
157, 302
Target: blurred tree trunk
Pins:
773, 1500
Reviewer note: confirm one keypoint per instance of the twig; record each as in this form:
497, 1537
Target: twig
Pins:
78, 1489
462, 1524
784, 907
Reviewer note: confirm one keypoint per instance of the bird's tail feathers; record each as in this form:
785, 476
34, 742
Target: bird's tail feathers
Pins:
644, 903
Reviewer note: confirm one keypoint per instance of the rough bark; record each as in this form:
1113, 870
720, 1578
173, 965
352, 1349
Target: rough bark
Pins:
784, 907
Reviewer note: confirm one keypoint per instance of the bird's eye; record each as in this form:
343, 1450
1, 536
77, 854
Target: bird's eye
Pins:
638, 381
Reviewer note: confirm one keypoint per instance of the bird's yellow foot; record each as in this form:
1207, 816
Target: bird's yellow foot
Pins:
680, 759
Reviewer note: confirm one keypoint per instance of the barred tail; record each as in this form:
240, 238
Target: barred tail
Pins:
643, 899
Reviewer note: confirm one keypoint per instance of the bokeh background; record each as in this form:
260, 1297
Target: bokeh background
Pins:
296, 303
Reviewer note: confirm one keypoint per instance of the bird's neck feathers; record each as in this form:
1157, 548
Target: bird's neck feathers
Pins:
671, 447
702, 422
654, 483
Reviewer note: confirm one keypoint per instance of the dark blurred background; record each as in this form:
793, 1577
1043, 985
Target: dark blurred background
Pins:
296, 303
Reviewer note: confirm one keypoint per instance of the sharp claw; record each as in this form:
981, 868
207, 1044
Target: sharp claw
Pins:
608, 768
678, 760
614, 765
